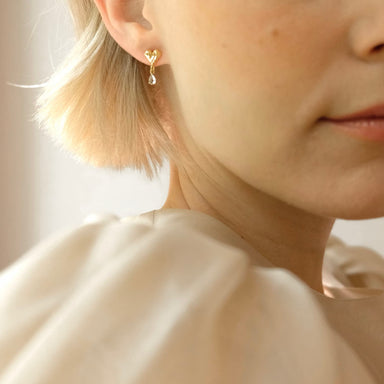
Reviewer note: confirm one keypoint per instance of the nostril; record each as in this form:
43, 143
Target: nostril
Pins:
378, 48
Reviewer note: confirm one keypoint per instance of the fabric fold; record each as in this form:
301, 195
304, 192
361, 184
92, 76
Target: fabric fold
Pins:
173, 297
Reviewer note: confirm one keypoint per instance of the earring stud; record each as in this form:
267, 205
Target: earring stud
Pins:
153, 57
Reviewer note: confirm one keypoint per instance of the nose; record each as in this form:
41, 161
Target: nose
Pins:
367, 34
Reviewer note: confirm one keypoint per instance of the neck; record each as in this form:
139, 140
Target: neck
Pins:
288, 237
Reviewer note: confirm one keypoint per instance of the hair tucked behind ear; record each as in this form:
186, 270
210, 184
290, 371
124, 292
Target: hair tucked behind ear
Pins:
98, 104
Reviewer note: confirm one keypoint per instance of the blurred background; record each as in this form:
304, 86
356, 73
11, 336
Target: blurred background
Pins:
43, 189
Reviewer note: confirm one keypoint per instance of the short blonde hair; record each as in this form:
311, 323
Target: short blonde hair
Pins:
98, 103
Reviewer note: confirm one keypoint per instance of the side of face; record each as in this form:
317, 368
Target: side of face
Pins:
250, 80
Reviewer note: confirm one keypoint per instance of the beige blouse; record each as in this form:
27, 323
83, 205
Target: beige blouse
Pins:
172, 297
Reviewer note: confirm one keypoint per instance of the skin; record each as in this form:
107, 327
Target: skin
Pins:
246, 82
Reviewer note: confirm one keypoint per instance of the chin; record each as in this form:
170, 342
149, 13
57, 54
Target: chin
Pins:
353, 196
362, 215
363, 208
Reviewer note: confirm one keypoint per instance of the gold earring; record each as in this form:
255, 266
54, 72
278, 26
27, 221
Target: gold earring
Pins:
153, 57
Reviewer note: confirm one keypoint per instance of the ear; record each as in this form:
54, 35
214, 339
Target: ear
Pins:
126, 24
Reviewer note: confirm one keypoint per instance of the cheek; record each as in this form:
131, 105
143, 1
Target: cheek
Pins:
242, 73
231, 58
246, 51
250, 82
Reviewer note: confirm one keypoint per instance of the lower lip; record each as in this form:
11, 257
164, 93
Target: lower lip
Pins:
367, 129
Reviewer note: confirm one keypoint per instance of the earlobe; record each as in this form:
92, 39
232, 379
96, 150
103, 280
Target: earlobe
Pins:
127, 26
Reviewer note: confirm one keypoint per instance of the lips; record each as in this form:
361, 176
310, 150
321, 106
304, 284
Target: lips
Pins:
371, 129
367, 124
375, 112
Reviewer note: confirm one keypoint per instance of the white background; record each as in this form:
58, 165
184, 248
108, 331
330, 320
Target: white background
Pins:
43, 189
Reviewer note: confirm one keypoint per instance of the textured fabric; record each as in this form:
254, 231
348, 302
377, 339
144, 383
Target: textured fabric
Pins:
175, 297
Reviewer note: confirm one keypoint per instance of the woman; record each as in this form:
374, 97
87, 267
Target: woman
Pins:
236, 278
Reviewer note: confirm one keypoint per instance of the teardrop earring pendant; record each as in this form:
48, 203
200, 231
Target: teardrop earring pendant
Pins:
153, 57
